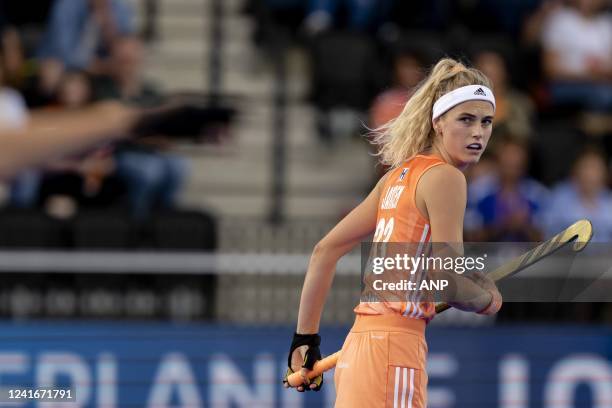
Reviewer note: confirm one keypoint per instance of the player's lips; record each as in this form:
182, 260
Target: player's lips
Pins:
474, 146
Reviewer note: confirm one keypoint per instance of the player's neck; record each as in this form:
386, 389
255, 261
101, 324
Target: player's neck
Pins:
440, 152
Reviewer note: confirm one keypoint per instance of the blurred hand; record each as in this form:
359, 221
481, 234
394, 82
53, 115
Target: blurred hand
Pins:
597, 70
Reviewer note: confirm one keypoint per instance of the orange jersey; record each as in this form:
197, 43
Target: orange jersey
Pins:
399, 220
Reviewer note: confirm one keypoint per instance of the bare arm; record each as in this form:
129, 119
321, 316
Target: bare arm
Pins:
442, 192
555, 71
532, 26
50, 135
13, 54
341, 239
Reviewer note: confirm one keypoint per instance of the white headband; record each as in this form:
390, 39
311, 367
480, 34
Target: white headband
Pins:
460, 95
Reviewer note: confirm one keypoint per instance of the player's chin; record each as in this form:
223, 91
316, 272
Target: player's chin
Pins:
472, 157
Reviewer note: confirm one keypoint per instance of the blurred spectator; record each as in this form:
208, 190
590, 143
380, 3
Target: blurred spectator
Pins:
482, 181
360, 15
11, 48
508, 206
577, 45
13, 56
13, 116
584, 195
74, 91
84, 175
409, 69
69, 181
514, 112
124, 80
13, 111
41, 90
153, 176
81, 33
534, 23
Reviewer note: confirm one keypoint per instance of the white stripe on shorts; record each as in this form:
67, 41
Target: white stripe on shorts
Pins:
397, 376
411, 387
405, 371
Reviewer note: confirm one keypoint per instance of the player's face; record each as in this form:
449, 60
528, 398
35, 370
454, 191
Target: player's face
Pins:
464, 131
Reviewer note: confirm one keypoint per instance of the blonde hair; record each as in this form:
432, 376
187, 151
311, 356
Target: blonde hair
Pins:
412, 131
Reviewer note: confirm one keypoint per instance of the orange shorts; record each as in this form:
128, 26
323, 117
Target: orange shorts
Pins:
382, 364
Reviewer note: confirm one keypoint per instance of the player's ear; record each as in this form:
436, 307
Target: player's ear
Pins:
437, 125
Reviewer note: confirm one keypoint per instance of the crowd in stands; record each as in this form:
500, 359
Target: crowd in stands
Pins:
63, 55
550, 63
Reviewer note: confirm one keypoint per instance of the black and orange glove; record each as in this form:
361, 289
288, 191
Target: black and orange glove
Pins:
313, 354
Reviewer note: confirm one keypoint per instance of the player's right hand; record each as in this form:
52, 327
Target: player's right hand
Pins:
303, 354
495, 305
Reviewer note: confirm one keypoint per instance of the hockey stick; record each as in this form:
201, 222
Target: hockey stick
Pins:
579, 233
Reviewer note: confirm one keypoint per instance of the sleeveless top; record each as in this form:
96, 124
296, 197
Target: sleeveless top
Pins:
400, 221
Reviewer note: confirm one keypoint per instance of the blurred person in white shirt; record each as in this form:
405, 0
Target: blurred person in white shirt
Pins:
577, 54
13, 111
14, 116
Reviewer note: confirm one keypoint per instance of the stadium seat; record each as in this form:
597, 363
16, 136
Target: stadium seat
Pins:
344, 70
555, 144
187, 230
31, 229
103, 229
427, 43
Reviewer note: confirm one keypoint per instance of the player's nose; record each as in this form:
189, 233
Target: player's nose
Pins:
478, 132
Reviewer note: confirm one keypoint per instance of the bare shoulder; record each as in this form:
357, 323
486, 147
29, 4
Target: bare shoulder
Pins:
443, 182
381, 182
443, 176
385, 176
